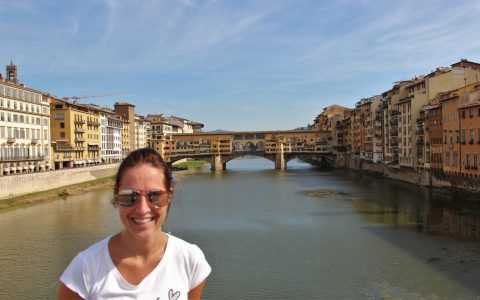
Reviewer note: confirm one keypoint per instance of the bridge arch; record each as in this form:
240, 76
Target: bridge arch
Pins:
250, 147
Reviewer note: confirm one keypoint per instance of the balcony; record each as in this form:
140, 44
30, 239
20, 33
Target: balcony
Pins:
93, 123
79, 130
34, 141
420, 131
394, 112
11, 140
62, 147
79, 140
22, 158
79, 121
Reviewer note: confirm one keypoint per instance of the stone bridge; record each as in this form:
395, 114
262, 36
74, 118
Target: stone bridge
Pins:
218, 148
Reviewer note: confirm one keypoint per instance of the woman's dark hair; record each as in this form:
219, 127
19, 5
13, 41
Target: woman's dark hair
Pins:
143, 156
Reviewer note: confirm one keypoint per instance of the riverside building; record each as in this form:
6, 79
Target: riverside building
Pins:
111, 129
76, 134
24, 126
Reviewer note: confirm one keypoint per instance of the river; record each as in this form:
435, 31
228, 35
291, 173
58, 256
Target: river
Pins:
302, 233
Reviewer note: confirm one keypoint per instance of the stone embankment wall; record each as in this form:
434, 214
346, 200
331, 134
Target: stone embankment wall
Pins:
423, 177
15, 185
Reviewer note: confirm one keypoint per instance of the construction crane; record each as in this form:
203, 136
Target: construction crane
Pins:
76, 98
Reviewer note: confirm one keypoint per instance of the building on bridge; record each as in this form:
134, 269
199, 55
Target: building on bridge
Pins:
220, 147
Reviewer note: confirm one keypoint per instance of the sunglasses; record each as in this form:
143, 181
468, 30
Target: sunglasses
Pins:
129, 197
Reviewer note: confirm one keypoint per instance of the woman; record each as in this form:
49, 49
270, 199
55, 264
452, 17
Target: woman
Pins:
141, 262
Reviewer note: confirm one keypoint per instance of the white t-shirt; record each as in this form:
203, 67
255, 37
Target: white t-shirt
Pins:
92, 274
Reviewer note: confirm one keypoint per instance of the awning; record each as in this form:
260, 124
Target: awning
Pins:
6, 169
31, 167
25, 167
19, 168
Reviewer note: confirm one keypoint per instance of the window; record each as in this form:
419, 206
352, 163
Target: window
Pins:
60, 116
62, 134
471, 135
471, 113
62, 125
475, 160
467, 161
463, 113
463, 136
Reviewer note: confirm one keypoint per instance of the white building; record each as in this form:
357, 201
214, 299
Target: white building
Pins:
141, 132
24, 127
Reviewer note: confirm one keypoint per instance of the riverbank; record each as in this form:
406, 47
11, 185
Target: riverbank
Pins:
62, 192
190, 163
55, 194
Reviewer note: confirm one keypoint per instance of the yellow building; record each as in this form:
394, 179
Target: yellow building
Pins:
75, 131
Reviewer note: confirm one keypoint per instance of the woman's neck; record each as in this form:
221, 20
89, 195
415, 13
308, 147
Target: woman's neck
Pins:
145, 248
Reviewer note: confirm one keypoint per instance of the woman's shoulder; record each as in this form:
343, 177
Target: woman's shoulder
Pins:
183, 247
96, 249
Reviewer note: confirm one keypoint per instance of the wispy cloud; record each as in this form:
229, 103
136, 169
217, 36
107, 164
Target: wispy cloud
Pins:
257, 52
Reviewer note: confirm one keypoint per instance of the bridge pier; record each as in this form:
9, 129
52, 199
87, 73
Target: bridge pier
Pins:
216, 163
280, 163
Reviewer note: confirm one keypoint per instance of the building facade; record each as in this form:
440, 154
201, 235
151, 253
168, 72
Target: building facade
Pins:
24, 127
76, 136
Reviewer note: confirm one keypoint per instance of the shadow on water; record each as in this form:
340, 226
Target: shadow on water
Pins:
447, 213
450, 219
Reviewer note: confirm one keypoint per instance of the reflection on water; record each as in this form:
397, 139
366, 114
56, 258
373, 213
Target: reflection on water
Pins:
301, 233
437, 213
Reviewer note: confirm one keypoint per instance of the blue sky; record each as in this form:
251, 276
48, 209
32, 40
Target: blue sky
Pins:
233, 65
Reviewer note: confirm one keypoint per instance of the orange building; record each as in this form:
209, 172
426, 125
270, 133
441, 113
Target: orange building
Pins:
469, 122
455, 106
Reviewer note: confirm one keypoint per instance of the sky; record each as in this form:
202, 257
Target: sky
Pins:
232, 64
